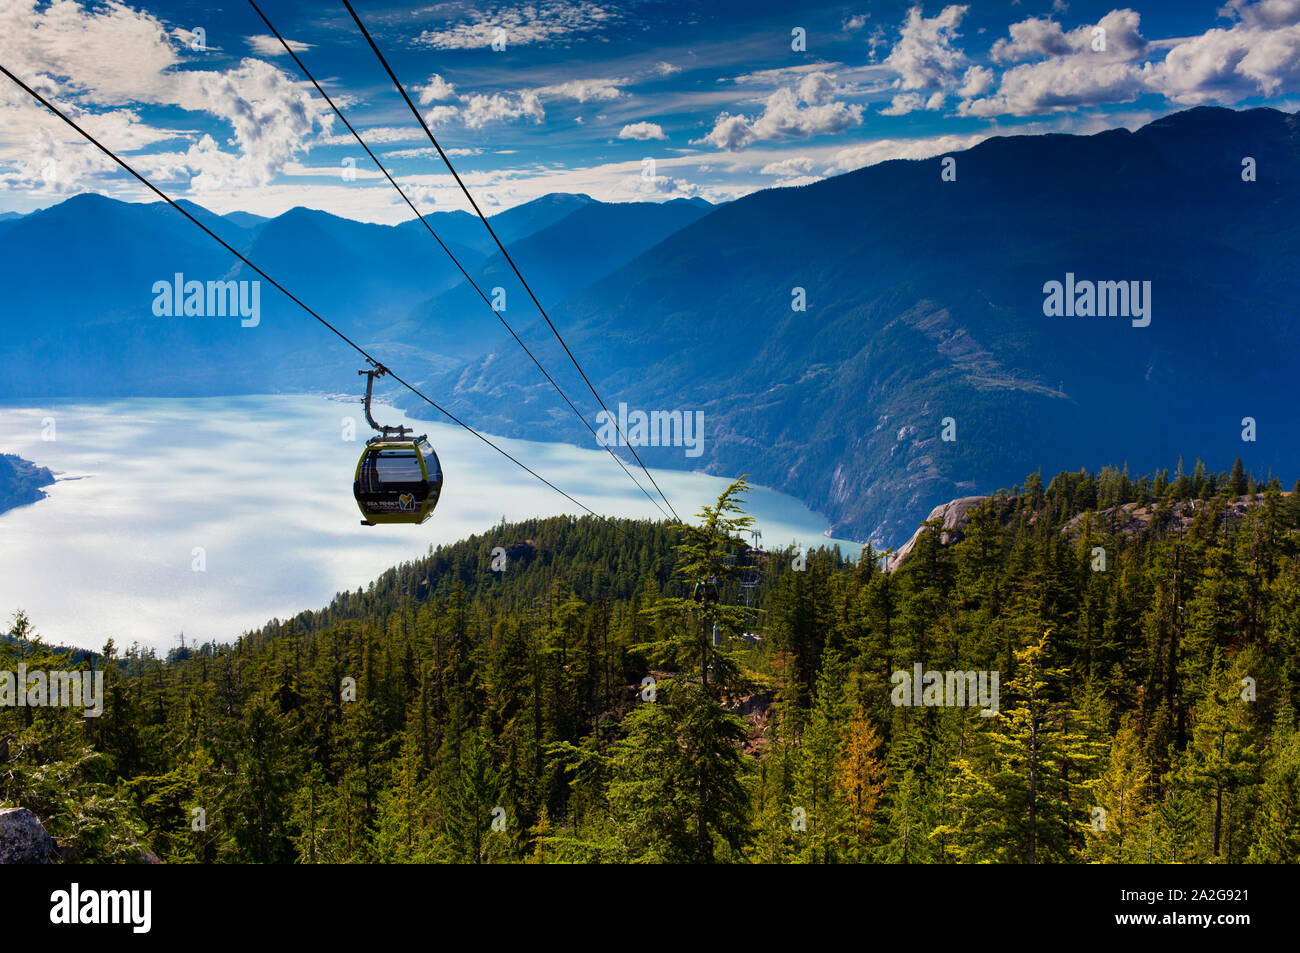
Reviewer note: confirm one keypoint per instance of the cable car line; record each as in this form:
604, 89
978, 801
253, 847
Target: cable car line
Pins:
483, 218
400, 191
442, 245
290, 295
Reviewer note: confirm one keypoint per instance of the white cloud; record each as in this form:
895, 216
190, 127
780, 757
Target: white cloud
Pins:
419, 152
107, 57
436, 90
370, 198
1032, 38
428, 152
49, 165
479, 109
729, 132
875, 40
926, 62
1260, 54
904, 103
272, 116
1074, 69
373, 135
977, 81
1040, 37
544, 23
924, 56
120, 58
441, 115
266, 45
817, 89
659, 188
1263, 13
784, 117
882, 150
793, 166
795, 180
783, 75
642, 131
583, 90
1066, 82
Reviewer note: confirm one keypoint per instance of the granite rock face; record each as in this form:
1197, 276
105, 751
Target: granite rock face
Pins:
955, 514
1138, 519
23, 839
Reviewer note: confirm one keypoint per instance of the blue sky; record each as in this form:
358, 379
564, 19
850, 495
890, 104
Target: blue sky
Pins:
586, 90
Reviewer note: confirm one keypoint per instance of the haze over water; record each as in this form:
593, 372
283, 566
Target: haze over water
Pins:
262, 485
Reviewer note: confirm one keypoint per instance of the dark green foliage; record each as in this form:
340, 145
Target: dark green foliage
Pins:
579, 707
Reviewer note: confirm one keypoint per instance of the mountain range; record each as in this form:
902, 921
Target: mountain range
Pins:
925, 319
927, 363
78, 316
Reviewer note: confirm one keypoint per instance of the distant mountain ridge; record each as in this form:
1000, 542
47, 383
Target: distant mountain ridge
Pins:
608, 236
77, 318
925, 315
923, 369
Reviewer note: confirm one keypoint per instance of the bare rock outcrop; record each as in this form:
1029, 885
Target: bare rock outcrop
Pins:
1138, 519
23, 839
1128, 519
955, 515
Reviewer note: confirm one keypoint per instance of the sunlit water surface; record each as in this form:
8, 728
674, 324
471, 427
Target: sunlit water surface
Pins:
262, 486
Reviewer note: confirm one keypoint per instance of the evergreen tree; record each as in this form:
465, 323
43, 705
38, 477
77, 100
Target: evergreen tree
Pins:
1278, 831
1220, 762
1122, 795
815, 787
1021, 797
472, 805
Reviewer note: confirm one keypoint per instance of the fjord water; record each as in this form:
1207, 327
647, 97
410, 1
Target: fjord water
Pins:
257, 491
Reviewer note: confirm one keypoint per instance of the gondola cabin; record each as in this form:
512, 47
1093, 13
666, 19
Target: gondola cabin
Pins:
397, 481
706, 592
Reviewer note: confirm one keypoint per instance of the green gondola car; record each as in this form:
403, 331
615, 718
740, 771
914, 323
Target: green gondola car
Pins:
398, 477
397, 481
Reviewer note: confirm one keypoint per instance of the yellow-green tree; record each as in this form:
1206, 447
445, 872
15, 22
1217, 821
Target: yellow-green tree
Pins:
859, 779
1122, 794
1021, 794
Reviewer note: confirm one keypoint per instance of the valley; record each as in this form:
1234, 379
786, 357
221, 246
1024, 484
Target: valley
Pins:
823, 332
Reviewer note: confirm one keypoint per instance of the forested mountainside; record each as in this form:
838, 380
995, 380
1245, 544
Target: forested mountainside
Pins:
21, 481
575, 707
830, 333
